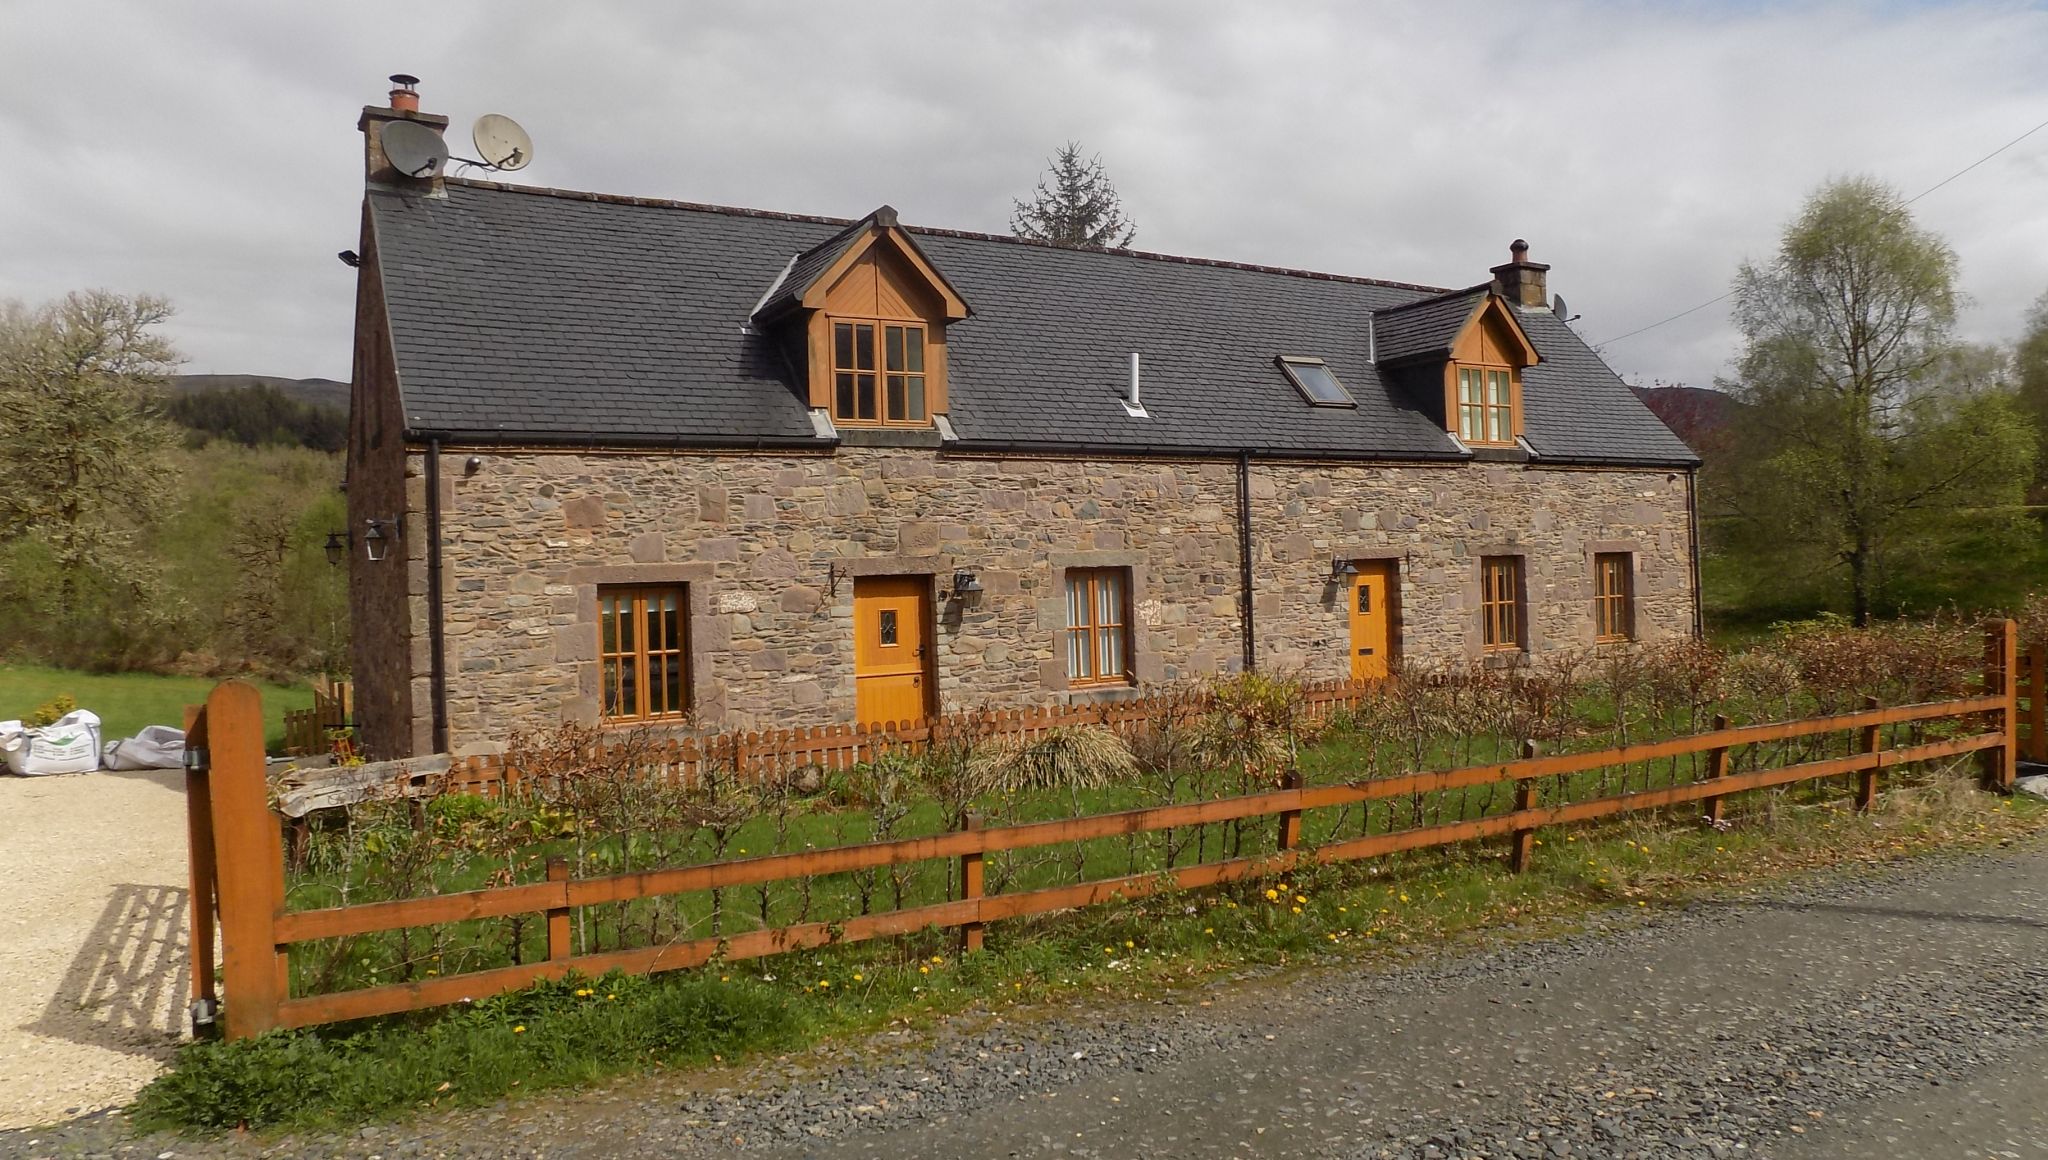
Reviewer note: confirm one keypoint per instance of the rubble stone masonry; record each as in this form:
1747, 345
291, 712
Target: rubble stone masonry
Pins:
768, 546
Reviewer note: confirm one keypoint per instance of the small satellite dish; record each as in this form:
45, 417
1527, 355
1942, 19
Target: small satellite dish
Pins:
501, 142
413, 149
1558, 307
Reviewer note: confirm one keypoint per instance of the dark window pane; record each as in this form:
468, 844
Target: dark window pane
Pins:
913, 348
842, 407
842, 345
917, 398
896, 399
611, 688
864, 396
1318, 383
894, 351
608, 620
626, 626
1364, 600
672, 678
888, 626
864, 348
629, 690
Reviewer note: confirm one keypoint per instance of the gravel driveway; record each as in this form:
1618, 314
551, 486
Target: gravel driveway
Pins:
1894, 1014
92, 945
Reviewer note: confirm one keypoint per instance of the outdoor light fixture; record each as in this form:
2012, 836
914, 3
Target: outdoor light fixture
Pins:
376, 540
1342, 571
336, 548
965, 583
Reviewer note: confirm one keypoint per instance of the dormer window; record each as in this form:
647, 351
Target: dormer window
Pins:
1316, 381
1486, 404
862, 396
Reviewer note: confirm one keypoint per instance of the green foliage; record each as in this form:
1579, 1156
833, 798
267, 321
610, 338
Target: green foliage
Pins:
51, 711
1074, 205
1874, 445
126, 702
259, 415
570, 1031
85, 473
2030, 371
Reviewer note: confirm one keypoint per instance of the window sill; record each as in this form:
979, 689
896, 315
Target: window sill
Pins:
890, 437
1102, 692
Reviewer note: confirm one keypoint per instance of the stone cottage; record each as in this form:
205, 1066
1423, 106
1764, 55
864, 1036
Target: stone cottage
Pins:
631, 461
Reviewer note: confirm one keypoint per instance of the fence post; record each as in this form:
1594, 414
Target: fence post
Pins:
250, 859
1525, 799
558, 916
1290, 820
205, 1008
2001, 664
2038, 701
970, 887
1873, 743
1717, 768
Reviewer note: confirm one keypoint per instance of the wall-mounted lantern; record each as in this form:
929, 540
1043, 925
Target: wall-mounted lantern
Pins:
337, 547
378, 536
965, 583
1342, 571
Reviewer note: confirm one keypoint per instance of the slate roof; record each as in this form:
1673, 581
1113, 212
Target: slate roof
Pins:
805, 268
1426, 327
542, 316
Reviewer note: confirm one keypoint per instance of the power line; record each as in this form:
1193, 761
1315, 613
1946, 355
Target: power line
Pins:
1908, 201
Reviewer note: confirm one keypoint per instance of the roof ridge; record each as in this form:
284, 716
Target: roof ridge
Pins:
941, 232
1446, 296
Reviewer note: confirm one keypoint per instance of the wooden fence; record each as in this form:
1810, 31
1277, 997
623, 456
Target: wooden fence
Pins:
237, 855
2032, 691
334, 707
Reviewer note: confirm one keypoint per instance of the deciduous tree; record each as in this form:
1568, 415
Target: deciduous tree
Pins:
1872, 435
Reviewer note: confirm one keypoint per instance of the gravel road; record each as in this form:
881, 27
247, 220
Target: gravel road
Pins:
1893, 1014
92, 944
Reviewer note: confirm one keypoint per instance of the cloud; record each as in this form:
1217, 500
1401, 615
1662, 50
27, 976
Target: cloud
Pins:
207, 151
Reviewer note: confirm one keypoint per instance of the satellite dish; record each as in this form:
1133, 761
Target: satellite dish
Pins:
413, 149
1558, 307
501, 142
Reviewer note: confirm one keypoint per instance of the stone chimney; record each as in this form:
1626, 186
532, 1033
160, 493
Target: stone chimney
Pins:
1521, 281
404, 105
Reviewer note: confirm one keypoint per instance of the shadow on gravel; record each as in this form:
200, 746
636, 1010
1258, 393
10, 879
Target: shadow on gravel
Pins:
126, 988
1884, 912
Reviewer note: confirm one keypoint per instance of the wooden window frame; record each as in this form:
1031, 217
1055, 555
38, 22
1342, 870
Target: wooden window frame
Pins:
1614, 605
1503, 416
1503, 604
1089, 635
642, 657
880, 371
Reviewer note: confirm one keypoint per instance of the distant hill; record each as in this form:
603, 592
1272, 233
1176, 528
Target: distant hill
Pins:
318, 392
1697, 415
259, 410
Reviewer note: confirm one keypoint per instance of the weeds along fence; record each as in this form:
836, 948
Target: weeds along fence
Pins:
964, 877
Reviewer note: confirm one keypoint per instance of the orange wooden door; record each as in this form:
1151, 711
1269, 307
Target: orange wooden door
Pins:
1372, 619
891, 657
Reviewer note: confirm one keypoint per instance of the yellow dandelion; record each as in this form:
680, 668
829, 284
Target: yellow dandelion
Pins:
1128, 943
1208, 930
519, 1030
610, 998
728, 978
824, 983
938, 958
924, 970
1404, 898
1301, 898
1343, 910
1297, 910
1272, 896
856, 976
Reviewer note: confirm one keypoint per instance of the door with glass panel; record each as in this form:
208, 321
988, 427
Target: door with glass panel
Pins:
1372, 621
891, 657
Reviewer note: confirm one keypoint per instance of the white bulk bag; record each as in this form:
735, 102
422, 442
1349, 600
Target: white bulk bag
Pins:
156, 747
71, 744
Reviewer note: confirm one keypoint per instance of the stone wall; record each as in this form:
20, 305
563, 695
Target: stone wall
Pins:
770, 548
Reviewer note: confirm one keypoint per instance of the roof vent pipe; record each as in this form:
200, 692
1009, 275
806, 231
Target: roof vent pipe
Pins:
1372, 340
1134, 404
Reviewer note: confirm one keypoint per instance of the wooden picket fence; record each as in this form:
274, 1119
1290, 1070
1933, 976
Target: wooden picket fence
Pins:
334, 707
768, 753
238, 863
2033, 696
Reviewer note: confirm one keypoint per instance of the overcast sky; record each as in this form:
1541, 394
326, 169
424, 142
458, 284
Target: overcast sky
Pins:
208, 152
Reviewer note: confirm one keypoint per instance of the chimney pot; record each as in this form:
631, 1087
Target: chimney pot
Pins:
1518, 250
405, 96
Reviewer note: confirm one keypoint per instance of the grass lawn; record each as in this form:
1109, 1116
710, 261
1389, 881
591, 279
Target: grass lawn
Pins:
126, 702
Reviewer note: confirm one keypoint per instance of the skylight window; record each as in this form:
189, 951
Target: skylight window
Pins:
1316, 382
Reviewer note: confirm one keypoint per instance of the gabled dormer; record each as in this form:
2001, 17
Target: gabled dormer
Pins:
866, 314
1460, 357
